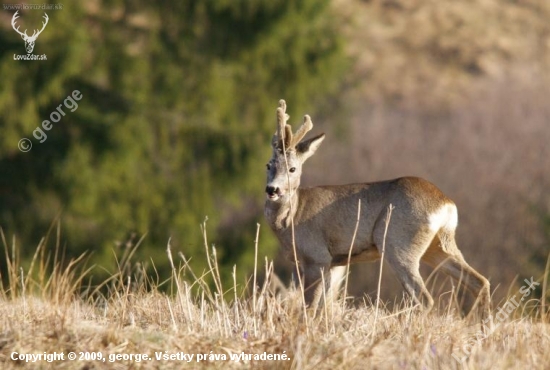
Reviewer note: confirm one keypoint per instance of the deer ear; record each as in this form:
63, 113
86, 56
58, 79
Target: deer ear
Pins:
307, 148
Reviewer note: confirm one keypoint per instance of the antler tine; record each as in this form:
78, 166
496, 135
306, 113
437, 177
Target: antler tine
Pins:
43, 26
284, 131
281, 123
303, 130
46, 18
15, 16
282, 105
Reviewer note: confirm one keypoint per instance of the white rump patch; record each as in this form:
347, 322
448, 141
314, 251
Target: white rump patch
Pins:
445, 217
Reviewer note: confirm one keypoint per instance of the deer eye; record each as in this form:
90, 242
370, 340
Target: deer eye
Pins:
268, 166
292, 169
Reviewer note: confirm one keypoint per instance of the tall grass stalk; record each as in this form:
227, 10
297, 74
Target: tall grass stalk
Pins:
49, 308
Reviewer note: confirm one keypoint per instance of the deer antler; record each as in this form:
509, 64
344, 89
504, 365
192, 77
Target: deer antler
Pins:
43, 26
284, 136
284, 131
24, 34
302, 131
15, 16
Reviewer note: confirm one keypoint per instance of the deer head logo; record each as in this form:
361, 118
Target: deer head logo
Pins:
29, 40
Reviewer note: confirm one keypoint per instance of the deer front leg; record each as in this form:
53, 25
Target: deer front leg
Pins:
313, 275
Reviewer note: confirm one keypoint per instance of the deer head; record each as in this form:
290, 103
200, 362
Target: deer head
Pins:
289, 153
29, 40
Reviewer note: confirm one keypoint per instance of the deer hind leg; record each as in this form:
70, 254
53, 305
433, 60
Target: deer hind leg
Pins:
403, 252
406, 267
445, 255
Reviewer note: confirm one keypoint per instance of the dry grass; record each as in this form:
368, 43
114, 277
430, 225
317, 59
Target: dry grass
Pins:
49, 309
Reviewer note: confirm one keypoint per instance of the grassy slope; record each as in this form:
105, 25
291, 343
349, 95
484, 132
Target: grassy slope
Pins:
431, 54
348, 340
43, 311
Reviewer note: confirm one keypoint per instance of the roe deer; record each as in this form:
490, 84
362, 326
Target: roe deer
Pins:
320, 221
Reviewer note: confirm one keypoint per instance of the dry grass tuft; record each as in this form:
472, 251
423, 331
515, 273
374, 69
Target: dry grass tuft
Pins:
49, 309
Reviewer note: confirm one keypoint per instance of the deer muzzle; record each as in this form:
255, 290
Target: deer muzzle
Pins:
272, 192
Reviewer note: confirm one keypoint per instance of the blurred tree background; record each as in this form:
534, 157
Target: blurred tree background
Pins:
178, 110
177, 113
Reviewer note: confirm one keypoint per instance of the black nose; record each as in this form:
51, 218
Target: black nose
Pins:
271, 190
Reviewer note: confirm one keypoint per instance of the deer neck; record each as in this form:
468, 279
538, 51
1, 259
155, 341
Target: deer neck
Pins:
280, 215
